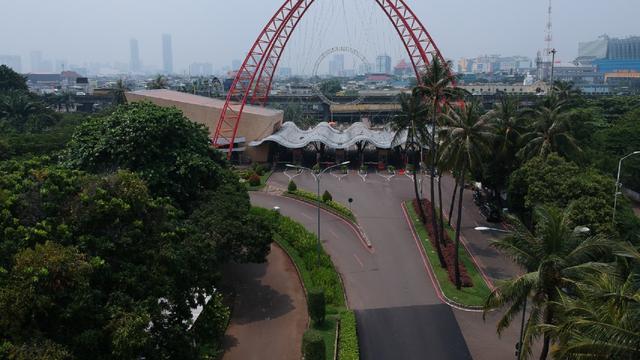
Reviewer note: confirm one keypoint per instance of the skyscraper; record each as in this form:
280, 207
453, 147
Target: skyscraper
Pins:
336, 66
167, 54
134, 61
383, 64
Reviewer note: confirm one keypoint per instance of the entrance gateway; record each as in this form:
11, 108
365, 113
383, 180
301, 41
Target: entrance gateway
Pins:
253, 81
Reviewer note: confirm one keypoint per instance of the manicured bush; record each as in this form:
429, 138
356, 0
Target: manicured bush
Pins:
254, 180
313, 347
391, 168
344, 169
326, 197
317, 305
348, 339
316, 168
331, 205
292, 187
259, 169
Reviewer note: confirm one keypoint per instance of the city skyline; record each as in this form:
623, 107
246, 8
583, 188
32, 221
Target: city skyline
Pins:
199, 39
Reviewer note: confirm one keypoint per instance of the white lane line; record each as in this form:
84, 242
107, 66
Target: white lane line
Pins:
334, 233
358, 260
306, 216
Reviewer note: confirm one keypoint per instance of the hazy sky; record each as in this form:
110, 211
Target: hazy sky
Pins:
219, 31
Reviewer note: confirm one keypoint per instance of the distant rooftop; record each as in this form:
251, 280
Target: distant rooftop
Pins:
176, 96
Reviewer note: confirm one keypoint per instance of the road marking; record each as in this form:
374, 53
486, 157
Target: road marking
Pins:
358, 260
307, 216
334, 233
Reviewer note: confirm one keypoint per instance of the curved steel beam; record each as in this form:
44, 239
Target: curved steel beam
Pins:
239, 92
264, 57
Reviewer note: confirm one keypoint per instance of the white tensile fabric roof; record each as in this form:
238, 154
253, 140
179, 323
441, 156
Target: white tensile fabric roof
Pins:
290, 136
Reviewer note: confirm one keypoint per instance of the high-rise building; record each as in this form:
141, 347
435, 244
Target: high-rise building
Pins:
167, 54
383, 64
336, 65
36, 61
134, 59
12, 61
201, 69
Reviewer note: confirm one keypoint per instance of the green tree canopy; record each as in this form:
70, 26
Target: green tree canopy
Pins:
172, 154
11, 80
560, 183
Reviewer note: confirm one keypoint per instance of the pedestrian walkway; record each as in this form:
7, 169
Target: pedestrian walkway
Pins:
269, 312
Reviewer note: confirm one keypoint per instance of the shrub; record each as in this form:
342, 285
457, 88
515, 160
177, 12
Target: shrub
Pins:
316, 168
313, 347
292, 186
254, 180
344, 169
391, 168
317, 305
348, 338
259, 169
326, 197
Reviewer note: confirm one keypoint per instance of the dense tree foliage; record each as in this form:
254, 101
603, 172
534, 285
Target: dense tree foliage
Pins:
171, 153
106, 254
11, 80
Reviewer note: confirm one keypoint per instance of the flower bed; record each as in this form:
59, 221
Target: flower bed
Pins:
448, 248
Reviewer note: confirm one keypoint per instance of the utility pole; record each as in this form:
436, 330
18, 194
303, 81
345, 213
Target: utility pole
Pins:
553, 64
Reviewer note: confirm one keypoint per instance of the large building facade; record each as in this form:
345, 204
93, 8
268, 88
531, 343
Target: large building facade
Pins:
611, 54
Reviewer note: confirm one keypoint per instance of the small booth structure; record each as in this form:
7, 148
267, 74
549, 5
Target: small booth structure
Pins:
326, 145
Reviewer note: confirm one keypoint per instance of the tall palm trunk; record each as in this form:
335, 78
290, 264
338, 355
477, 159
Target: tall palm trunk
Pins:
417, 193
546, 342
458, 224
453, 198
440, 207
432, 171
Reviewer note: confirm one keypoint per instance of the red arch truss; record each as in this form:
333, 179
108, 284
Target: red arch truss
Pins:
253, 81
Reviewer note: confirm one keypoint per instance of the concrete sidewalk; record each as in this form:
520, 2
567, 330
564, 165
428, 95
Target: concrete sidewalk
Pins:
270, 310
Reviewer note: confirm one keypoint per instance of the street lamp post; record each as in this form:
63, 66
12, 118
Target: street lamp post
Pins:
619, 186
318, 176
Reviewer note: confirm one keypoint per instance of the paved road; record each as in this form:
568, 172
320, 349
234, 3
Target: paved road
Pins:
398, 312
270, 310
394, 299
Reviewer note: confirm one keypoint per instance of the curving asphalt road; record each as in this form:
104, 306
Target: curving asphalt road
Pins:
398, 311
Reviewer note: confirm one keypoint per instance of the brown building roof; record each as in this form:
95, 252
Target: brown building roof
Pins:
187, 98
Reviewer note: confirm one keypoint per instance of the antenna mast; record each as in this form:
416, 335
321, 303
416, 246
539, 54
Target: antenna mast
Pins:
549, 35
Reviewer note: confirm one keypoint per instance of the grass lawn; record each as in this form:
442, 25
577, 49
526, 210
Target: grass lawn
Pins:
474, 296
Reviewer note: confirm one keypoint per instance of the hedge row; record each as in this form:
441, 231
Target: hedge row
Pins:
348, 340
332, 205
448, 248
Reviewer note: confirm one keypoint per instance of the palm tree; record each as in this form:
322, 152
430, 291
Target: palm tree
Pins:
119, 90
565, 90
16, 108
466, 136
160, 82
412, 122
551, 132
553, 256
507, 121
437, 86
603, 320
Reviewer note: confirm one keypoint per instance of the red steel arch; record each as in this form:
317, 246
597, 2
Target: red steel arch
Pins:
254, 78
